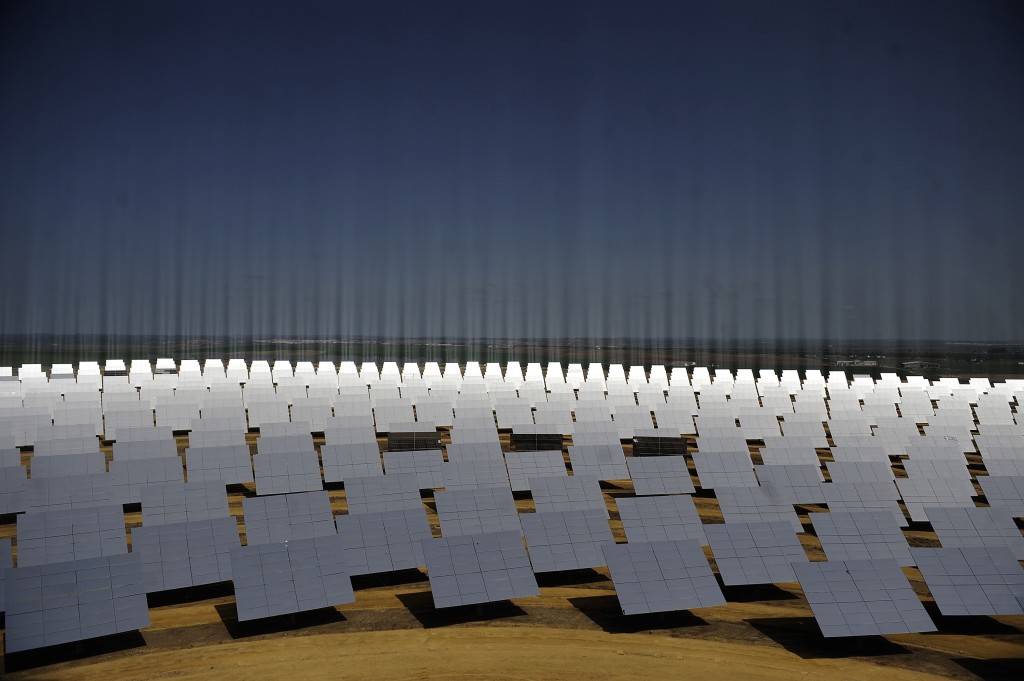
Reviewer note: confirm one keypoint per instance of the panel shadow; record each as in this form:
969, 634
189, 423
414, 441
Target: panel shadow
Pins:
276, 624
801, 636
421, 606
65, 652
998, 669
605, 612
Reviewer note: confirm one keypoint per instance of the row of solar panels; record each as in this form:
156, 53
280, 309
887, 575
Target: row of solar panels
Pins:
913, 396
25, 426
223, 454
370, 371
326, 374
442, 411
937, 471
478, 510
297, 559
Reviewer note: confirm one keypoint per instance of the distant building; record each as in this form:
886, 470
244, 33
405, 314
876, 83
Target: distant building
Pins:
918, 365
855, 363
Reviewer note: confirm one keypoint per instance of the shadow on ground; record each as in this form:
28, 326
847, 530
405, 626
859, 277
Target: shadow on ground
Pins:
382, 579
969, 625
190, 594
65, 652
751, 593
570, 577
605, 612
421, 605
801, 636
276, 624
1008, 668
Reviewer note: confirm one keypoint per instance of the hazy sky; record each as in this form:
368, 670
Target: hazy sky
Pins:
545, 169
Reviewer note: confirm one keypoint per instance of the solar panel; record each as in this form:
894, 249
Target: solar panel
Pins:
263, 410
674, 419
10, 457
129, 477
180, 555
721, 443
511, 414
288, 577
147, 431
660, 475
315, 411
66, 535
724, 469
476, 510
989, 437
946, 448
1004, 466
64, 602
647, 519
395, 491
862, 598
864, 496
937, 468
69, 492
861, 535
288, 516
350, 461
662, 576
13, 489
567, 494
629, 417
144, 449
860, 471
349, 434
470, 474
284, 444
480, 568
176, 415
387, 416
66, 445
604, 462
231, 464
201, 439
218, 420
754, 504
424, 464
802, 429
918, 493
860, 453
530, 437
179, 502
657, 442
281, 473
967, 527
475, 451
473, 431
383, 541
87, 463
566, 540
1004, 491
798, 483
973, 581
121, 416
6, 561
522, 466
755, 553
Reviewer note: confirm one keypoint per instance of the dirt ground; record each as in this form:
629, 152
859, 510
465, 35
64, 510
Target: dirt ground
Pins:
573, 630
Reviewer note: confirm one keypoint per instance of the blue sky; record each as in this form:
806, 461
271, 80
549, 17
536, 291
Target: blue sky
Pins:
720, 170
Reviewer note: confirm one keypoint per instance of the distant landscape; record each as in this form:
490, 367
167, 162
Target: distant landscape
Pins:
932, 359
